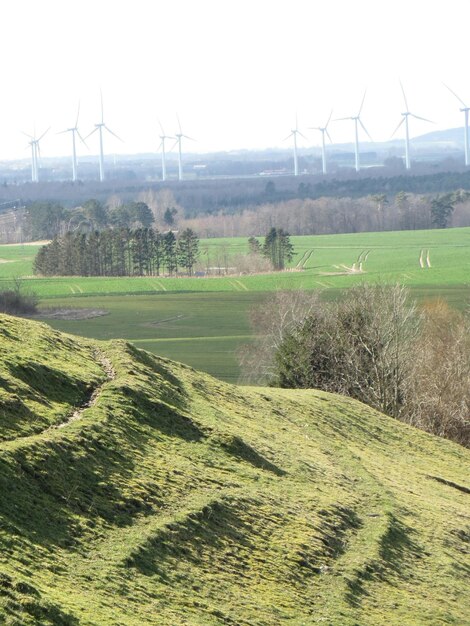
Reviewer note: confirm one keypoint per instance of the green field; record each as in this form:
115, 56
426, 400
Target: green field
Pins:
136, 491
201, 321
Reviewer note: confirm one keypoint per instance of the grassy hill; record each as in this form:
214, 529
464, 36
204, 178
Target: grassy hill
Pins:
135, 490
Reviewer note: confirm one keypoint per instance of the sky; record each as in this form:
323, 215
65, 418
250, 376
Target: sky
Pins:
237, 72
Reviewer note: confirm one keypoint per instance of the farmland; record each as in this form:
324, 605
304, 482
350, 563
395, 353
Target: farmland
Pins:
201, 321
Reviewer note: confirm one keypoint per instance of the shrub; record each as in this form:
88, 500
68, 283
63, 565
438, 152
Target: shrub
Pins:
374, 345
15, 301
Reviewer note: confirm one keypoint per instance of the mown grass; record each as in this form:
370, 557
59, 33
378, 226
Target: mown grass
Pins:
179, 499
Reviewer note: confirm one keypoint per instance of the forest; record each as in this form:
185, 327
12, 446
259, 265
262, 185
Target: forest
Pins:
232, 194
118, 252
203, 209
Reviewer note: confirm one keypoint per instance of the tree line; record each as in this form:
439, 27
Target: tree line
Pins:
119, 252
300, 216
380, 212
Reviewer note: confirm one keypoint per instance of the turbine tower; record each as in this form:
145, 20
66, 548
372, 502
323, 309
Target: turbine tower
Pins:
406, 114
163, 138
74, 130
324, 131
465, 111
357, 122
294, 132
35, 154
100, 127
179, 136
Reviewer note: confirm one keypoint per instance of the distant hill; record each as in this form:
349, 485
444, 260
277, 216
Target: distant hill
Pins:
450, 135
135, 490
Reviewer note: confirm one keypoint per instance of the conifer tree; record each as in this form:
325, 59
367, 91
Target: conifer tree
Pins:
188, 250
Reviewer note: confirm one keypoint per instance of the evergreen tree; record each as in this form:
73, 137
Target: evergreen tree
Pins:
170, 259
254, 245
169, 216
96, 212
140, 213
156, 251
442, 208
188, 250
278, 248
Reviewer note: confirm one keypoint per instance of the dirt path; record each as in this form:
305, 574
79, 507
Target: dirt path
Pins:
110, 374
78, 412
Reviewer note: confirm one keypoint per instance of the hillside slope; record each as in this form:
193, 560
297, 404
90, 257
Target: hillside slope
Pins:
134, 490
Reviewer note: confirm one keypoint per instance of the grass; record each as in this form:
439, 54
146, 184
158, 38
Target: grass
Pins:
393, 256
200, 329
207, 319
179, 499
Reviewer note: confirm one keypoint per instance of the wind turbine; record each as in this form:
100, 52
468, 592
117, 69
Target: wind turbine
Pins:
74, 130
294, 132
465, 110
35, 154
179, 136
357, 121
100, 127
406, 114
163, 137
324, 131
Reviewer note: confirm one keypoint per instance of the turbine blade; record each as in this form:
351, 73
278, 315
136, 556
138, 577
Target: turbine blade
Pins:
401, 122
179, 123
114, 134
44, 133
421, 118
93, 131
328, 135
301, 134
26, 135
78, 113
161, 127
453, 92
82, 140
174, 145
288, 137
364, 129
404, 96
331, 113
341, 119
102, 108
190, 138
362, 103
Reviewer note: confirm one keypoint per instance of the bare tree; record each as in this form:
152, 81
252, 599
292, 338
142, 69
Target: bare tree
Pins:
438, 390
271, 321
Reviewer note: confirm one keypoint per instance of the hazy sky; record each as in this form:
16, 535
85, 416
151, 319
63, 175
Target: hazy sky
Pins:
236, 71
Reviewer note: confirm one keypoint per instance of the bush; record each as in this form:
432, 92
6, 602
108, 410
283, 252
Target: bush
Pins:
374, 345
438, 393
15, 301
358, 347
